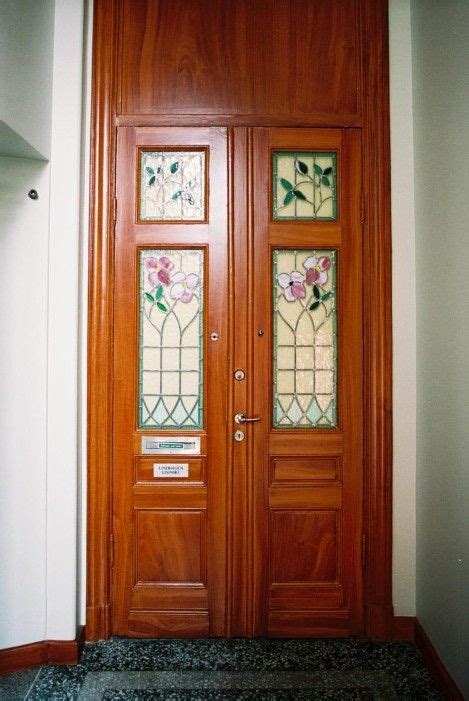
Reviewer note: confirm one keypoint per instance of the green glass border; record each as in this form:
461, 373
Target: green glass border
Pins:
334, 253
334, 188
169, 427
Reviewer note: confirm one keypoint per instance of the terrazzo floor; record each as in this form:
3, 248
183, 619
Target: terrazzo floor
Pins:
180, 670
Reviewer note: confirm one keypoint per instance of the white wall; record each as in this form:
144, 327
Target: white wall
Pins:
403, 306
39, 271
23, 399
440, 53
26, 36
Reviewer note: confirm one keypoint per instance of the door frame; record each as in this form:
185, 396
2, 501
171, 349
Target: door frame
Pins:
376, 220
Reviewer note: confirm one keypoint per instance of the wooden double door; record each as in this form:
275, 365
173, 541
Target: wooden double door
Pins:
237, 411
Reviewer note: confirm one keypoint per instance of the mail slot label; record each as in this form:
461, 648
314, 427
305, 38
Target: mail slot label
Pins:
171, 445
170, 469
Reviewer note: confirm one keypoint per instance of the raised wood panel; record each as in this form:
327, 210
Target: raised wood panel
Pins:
170, 546
291, 624
169, 597
144, 471
296, 596
168, 624
305, 469
291, 58
304, 546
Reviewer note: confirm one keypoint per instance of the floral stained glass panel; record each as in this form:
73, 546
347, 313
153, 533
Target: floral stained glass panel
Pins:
305, 339
171, 339
304, 185
172, 186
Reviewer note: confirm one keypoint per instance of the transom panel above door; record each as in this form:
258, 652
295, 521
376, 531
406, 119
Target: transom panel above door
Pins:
238, 383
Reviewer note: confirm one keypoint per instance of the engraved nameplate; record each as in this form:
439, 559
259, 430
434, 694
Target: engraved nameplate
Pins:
170, 445
171, 469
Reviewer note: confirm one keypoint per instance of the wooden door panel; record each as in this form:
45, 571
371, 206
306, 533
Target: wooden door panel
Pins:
289, 471
305, 61
304, 545
170, 532
308, 479
170, 546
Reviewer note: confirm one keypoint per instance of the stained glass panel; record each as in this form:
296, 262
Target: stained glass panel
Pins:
305, 339
172, 185
171, 339
304, 185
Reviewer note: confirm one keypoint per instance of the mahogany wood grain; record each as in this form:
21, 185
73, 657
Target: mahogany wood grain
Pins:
144, 472
170, 537
215, 84
377, 341
294, 57
318, 469
67, 652
308, 532
100, 321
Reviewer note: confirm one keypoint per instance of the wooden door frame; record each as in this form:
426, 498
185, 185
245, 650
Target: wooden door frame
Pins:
376, 213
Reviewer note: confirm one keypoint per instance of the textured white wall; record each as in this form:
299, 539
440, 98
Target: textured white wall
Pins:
62, 385
403, 305
39, 281
23, 399
440, 57
26, 36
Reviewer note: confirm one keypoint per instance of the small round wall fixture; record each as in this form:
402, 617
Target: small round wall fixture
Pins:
33, 194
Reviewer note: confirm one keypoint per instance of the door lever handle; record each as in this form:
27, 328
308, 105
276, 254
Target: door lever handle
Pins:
240, 418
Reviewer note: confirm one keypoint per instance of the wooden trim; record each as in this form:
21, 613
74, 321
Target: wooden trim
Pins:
14, 659
404, 628
377, 321
435, 665
377, 307
237, 120
100, 322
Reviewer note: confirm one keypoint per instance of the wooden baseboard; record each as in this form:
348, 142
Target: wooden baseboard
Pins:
435, 665
404, 628
14, 659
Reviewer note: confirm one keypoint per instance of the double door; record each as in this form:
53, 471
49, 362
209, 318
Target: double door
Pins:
237, 408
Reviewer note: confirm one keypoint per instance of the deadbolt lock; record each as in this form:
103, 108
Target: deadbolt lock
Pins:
239, 375
239, 436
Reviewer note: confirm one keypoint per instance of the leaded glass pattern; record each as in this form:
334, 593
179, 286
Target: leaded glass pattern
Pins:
172, 185
305, 339
304, 185
171, 339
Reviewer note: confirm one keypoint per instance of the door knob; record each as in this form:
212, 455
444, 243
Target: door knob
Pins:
240, 418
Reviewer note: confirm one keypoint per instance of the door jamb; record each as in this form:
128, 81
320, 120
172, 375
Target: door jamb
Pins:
377, 316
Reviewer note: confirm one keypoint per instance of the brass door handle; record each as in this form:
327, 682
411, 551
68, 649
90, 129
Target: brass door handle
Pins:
240, 418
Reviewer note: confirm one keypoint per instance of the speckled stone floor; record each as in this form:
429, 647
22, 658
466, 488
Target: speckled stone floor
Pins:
181, 670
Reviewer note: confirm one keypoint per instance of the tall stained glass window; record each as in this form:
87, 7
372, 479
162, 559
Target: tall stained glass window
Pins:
172, 185
171, 339
305, 338
304, 185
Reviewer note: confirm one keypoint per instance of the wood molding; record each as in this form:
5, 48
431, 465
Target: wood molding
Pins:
404, 628
100, 321
377, 308
14, 659
435, 665
377, 321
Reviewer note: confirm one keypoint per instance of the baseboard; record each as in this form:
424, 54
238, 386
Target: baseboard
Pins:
14, 659
435, 666
404, 628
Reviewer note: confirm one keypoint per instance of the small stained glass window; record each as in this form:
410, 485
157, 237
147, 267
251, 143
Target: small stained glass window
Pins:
172, 186
171, 339
305, 339
304, 185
